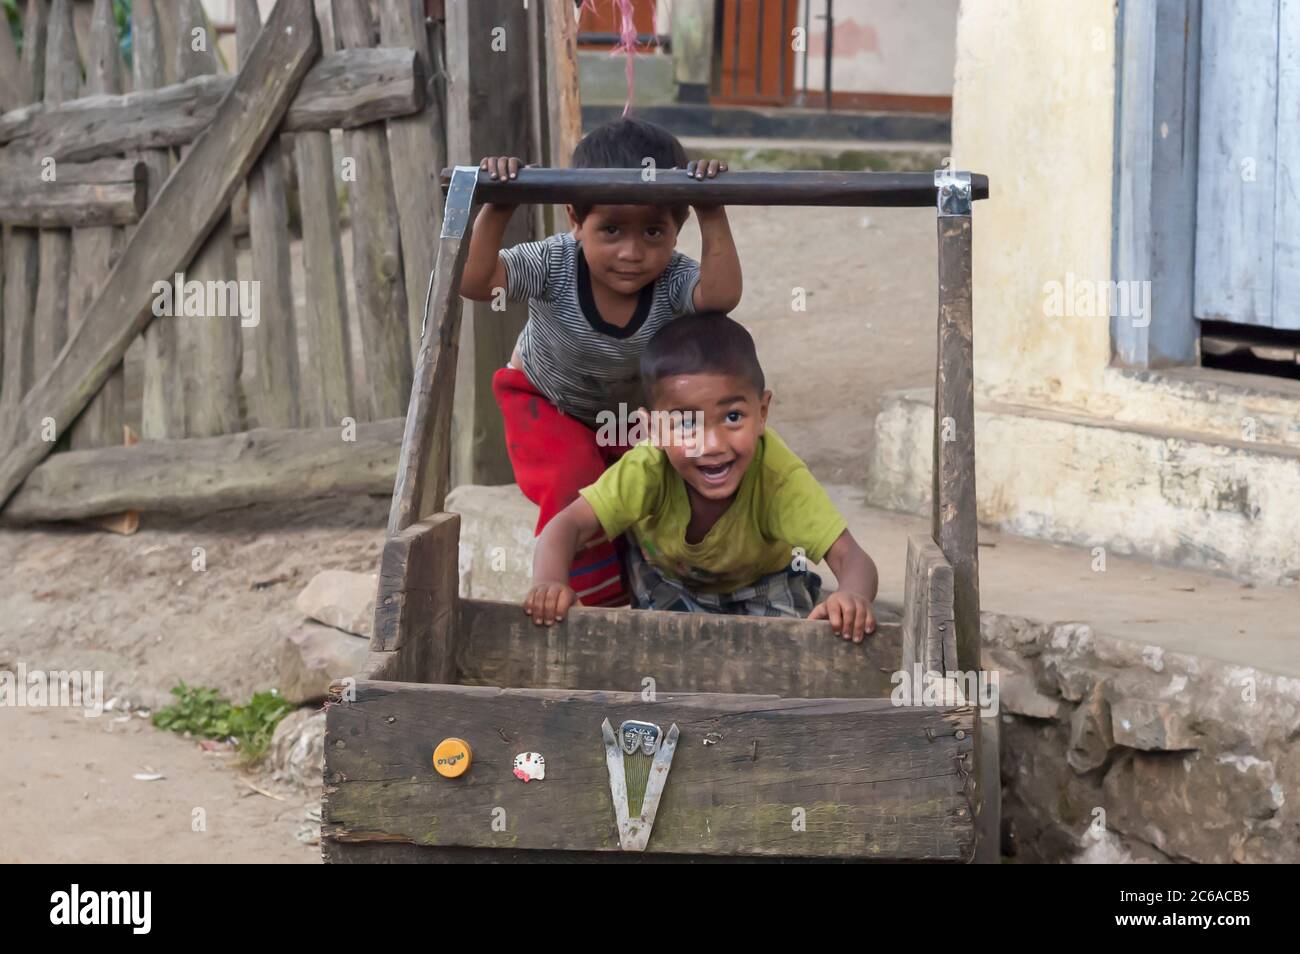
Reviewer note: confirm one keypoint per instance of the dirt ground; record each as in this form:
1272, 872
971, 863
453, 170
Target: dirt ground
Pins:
137, 609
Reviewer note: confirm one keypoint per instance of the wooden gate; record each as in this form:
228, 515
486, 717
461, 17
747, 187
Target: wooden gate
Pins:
116, 206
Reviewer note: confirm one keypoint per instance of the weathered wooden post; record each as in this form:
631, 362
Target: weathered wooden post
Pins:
328, 344
954, 517
210, 348
62, 82
376, 242
93, 249
275, 338
162, 413
21, 264
487, 110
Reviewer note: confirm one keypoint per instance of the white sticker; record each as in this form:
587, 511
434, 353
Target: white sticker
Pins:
529, 766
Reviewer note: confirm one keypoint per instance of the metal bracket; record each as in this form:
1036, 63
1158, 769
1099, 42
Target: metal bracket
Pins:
634, 833
953, 192
460, 198
455, 218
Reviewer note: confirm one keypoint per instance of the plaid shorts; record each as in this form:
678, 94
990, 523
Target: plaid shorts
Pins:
790, 593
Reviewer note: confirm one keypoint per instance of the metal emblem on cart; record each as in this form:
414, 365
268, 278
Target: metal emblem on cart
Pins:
638, 759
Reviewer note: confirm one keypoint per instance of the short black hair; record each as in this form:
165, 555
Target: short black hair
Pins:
626, 143
705, 343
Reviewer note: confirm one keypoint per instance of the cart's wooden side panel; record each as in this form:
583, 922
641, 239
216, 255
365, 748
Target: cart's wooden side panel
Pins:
929, 630
681, 652
416, 610
819, 778
405, 853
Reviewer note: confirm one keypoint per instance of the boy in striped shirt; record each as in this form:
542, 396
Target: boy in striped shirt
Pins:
596, 295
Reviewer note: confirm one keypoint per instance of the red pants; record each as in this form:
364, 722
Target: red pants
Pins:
554, 456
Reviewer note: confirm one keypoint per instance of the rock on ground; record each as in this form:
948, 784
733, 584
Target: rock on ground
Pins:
342, 599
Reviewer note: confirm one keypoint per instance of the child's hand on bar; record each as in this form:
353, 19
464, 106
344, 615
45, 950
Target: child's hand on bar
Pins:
705, 168
501, 167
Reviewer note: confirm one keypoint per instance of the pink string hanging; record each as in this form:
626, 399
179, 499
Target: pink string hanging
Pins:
626, 42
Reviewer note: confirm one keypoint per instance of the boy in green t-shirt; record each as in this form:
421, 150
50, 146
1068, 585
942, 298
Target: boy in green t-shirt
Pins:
725, 517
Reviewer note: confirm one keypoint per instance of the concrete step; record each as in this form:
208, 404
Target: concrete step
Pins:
844, 155
1182, 497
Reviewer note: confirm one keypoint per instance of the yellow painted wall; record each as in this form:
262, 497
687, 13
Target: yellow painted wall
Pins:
1033, 109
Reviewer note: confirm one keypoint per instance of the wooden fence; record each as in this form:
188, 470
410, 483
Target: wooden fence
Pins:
122, 199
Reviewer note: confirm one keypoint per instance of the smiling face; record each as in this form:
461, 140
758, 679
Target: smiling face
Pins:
626, 246
713, 458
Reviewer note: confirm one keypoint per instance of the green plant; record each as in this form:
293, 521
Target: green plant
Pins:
204, 712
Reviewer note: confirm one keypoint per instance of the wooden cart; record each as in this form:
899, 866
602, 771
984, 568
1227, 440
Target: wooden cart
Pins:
790, 746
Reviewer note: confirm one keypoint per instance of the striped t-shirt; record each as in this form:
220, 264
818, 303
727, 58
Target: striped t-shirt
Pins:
583, 364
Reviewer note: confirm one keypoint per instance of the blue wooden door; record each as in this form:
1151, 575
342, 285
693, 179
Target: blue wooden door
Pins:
1248, 191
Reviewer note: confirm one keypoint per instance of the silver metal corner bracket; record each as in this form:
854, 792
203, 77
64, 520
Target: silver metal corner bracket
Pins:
455, 217
952, 192
460, 199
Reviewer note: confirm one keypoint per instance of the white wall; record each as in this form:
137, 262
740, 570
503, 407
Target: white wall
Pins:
900, 47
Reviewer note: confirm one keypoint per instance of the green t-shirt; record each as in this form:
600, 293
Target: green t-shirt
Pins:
779, 506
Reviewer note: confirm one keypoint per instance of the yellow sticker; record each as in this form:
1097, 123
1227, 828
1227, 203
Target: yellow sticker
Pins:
452, 758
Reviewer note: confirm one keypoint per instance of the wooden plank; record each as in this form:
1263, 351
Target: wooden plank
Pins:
675, 187
106, 192
21, 270
825, 778
376, 853
954, 523
564, 100
929, 630
1236, 189
13, 83
201, 475
417, 611
162, 412
356, 87
62, 82
487, 98
563, 96
344, 89
275, 339
414, 142
173, 228
103, 422
376, 245
210, 349
1286, 236
62, 61
36, 21
424, 471
329, 346
681, 652
988, 808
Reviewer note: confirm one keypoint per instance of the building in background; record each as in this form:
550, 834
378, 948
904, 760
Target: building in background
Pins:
1137, 281
889, 55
